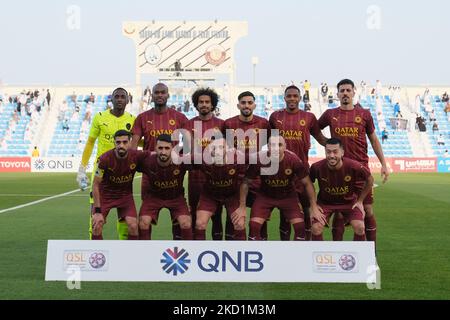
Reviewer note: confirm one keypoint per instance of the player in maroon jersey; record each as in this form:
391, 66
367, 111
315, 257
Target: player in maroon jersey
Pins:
278, 189
224, 187
203, 128
150, 124
351, 123
296, 127
339, 182
113, 185
165, 190
247, 132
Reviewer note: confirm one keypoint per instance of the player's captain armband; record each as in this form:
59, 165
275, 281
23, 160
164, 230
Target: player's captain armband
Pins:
99, 173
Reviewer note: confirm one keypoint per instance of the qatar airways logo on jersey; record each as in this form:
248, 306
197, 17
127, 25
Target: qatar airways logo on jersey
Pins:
221, 183
337, 191
277, 183
347, 131
121, 179
291, 134
166, 184
155, 133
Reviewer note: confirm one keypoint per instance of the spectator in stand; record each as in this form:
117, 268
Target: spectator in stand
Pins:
440, 140
35, 152
324, 91
446, 155
445, 97
130, 98
306, 88
397, 110
447, 108
420, 121
432, 116
65, 125
384, 135
73, 97
48, 97
435, 127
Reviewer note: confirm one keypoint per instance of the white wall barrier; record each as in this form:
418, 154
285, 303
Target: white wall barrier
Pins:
208, 261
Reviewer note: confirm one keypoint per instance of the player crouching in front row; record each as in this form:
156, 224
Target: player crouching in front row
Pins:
338, 179
113, 185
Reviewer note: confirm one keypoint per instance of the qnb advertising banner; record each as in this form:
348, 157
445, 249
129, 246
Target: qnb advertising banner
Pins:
208, 261
58, 164
15, 164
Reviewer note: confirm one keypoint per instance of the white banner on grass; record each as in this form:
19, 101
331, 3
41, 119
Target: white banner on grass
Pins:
211, 261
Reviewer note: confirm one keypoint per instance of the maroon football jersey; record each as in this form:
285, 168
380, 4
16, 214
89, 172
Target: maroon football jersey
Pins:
351, 127
118, 173
248, 143
296, 129
224, 180
164, 182
150, 124
338, 187
281, 184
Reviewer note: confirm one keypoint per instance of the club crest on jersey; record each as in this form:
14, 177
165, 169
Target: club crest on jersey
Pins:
288, 172
347, 178
176, 172
172, 122
358, 119
132, 166
128, 126
232, 172
302, 122
256, 130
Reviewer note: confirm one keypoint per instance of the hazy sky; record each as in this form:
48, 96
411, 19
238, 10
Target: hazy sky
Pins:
405, 42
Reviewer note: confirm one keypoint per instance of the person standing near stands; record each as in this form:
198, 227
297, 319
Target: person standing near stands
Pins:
104, 126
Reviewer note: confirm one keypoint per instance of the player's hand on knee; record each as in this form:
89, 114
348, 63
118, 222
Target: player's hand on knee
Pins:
98, 220
317, 213
239, 215
82, 178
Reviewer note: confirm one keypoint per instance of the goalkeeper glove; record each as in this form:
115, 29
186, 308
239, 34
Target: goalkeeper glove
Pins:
82, 178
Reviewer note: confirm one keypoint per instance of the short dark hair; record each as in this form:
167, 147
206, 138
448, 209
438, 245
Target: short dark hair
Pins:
205, 92
291, 87
335, 141
246, 94
345, 81
117, 89
164, 137
122, 133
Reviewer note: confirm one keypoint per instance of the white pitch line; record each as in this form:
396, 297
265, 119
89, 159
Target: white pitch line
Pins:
45, 199
39, 201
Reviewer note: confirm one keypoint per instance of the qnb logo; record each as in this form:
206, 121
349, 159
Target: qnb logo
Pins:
39, 164
347, 262
175, 261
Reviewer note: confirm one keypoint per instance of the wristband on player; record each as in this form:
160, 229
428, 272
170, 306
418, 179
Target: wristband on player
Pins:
97, 210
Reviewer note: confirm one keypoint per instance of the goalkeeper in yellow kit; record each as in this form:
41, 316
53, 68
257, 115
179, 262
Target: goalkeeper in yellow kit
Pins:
104, 125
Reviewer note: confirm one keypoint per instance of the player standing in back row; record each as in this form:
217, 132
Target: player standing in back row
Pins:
296, 127
104, 125
149, 125
351, 123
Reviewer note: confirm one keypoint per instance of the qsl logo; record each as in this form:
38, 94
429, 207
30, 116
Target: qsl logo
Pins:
347, 262
97, 260
175, 261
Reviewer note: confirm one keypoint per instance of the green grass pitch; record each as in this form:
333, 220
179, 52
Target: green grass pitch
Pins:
413, 215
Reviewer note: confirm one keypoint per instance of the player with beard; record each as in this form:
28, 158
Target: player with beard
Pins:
104, 125
339, 181
243, 131
203, 128
113, 186
351, 124
165, 190
296, 127
150, 124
